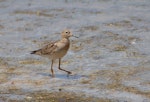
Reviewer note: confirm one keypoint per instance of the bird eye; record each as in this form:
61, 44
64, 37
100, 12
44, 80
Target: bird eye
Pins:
66, 32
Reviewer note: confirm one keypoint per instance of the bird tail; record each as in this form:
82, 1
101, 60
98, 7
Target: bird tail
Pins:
37, 52
33, 52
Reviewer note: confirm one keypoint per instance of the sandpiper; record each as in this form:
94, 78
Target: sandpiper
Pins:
56, 50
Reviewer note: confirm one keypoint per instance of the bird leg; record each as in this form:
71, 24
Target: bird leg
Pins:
61, 68
52, 69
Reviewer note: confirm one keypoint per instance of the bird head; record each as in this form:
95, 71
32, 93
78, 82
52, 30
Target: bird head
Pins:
67, 33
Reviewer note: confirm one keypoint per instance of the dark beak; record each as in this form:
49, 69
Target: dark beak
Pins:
75, 36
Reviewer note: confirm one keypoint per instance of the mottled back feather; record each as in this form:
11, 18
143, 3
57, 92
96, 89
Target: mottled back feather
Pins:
46, 50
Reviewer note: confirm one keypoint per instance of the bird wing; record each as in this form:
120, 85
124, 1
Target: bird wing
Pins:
48, 49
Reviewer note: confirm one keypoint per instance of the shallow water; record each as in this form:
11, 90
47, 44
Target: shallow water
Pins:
110, 59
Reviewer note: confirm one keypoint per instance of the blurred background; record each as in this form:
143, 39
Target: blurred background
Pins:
110, 60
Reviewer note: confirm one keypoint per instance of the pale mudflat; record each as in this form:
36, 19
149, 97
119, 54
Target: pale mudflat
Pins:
56, 50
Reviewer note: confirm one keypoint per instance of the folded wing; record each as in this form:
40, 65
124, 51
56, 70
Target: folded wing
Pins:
46, 50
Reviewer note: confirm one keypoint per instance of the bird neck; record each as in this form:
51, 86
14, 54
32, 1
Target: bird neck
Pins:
65, 40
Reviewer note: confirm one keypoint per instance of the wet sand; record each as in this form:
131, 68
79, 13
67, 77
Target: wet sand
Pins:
110, 61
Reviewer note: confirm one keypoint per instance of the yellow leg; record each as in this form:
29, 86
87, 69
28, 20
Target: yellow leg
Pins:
61, 68
52, 69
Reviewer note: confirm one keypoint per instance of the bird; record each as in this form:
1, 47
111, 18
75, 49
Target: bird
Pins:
56, 50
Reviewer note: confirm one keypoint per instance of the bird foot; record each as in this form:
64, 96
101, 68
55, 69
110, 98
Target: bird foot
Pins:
52, 76
69, 72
